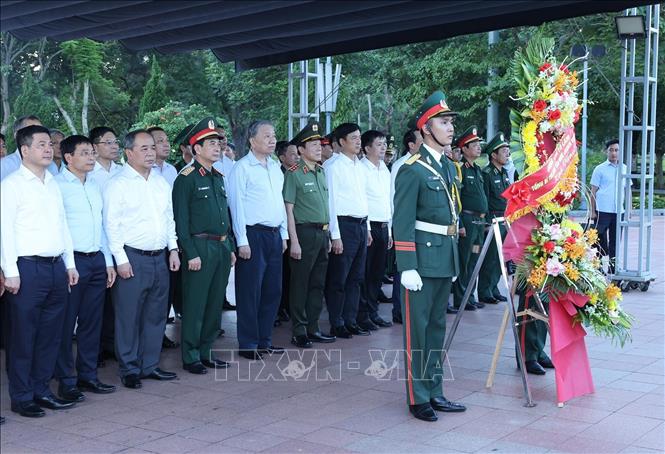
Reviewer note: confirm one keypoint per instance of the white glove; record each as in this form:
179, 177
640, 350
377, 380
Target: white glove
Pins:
411, 280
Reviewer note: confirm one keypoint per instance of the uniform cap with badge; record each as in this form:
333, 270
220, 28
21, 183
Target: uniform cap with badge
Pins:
495, 143
434, 106
470, 135
310, 132
204, 129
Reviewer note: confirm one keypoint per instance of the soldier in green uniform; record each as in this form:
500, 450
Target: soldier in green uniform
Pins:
425, 230
496, 181
184, 148
306, 199
202, 222
472, 217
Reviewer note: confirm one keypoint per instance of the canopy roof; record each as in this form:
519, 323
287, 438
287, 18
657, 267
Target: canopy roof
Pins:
268, 32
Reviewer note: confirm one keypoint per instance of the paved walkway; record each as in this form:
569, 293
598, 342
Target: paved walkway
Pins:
340, 406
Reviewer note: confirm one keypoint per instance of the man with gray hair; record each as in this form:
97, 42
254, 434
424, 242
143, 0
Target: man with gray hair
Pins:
12, 162
259, 225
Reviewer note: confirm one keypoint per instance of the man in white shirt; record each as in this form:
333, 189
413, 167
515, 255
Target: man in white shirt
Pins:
82, 200
138, 218
12, 162
349, 231
604, 207
374, 145
259, 224
37, 259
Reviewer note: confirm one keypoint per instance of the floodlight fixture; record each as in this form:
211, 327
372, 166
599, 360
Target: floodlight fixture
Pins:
630, 27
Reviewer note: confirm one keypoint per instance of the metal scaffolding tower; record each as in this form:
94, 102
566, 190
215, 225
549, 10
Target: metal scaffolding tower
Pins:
634, 269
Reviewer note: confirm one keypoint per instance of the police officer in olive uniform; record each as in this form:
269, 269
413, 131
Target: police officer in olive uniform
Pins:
472, 217
425, 230
496, 181
204, 228
306, 199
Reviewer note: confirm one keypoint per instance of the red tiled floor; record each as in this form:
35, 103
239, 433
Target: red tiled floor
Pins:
355, 412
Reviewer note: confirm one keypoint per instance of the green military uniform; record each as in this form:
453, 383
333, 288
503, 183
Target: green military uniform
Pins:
306, 189
203, 226
472, 218
424, 200
181, 139
496, 181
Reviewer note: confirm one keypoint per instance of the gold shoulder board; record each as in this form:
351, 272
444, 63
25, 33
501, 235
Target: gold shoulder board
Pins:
412, 159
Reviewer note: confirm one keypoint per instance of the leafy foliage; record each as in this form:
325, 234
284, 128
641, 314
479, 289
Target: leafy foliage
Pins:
154, 96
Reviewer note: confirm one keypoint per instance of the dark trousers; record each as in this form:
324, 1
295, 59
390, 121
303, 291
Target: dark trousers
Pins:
606, 224
107, 337
533, 335
396, 296
85, 302
258, 284
308, 279
346, 272
140, 314
375, 268
286, 280
490, 270
37, 314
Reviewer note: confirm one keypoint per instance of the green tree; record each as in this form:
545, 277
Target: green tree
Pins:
33, 101
154, 96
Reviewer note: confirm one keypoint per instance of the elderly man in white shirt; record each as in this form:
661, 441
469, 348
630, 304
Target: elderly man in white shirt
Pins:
162, 152
259, 225
138, 218
349, 231
374, 145
38, 263
12, 162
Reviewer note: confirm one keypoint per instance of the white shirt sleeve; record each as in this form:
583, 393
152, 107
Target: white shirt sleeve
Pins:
113, 213
8, 255
330, 181
237, 183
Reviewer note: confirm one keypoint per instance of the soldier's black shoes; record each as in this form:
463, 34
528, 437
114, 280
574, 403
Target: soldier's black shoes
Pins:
70, 394
168, 343
28, 409
443, 404
452, 310
487, 301
252, 355
534, 368
53, 403
381, 323
424, 412
500, 298
367, 325
95, 386
215, 363
470, 306
357, 330
320, 337
272, 350
131, 381
301, 341
546, 363
196, 368
340, 331
159, 374
397, 319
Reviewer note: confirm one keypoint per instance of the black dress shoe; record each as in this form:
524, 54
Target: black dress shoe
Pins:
252, 355
500, 298
340, 331
451, 310
53, 403
469, 307
215, 363
443, 404
70, 394
195, 368
357, 330
272, 350
228, 306
424, 412
159, 374
95, 386
283, 315
546, 363
322, 338
381, 323
131, 381
221, 333
481, 303
168, 343
534, 368
28, 409
397, 319
367, 325
301, 341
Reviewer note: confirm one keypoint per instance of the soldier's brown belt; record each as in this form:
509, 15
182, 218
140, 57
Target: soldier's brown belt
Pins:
477, 214
211, 237
438, 229
313, 225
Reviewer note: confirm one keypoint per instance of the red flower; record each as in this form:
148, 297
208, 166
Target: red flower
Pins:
539, 105
564, 68
575, 234
571, 240
554, 115
549, 246
576, 117
545, 67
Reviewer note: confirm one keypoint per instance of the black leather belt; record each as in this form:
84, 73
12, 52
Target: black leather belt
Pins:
313, 225
380, 225
477, 214
142, 252
39, 258
86, 254
210, 236
497, 213
263, 227
352, 219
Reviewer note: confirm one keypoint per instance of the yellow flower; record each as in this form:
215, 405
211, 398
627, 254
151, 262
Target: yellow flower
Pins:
593, 299
612, 305
612, 292
572, 272
537, 276
592, 236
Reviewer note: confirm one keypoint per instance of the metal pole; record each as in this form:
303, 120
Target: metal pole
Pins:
492, 106
584, 124
290, 95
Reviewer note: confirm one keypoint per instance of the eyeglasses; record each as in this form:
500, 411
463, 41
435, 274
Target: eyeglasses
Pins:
109, 142
87, 154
